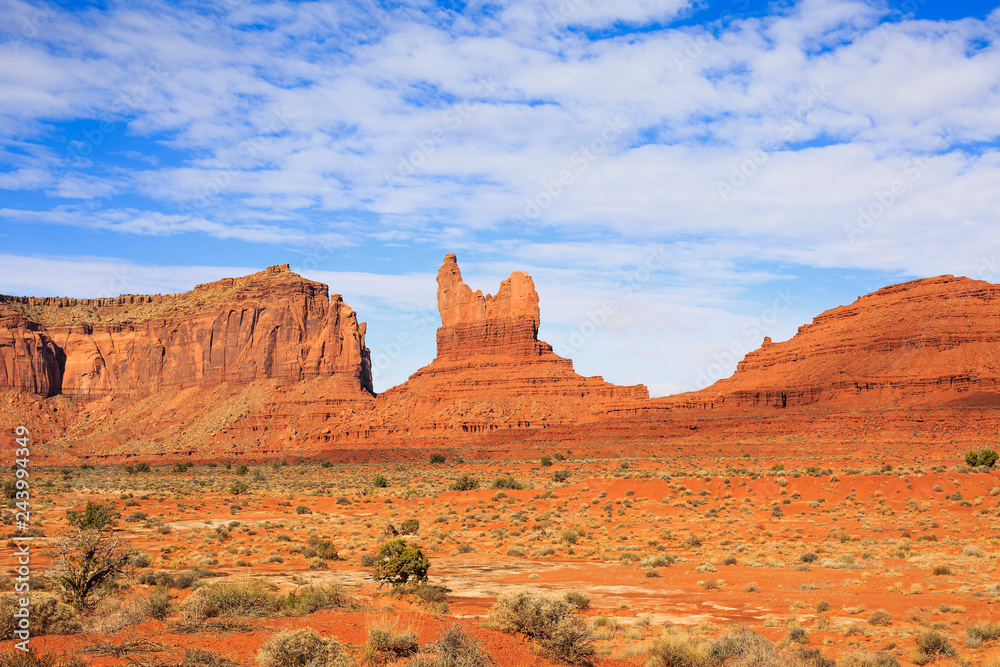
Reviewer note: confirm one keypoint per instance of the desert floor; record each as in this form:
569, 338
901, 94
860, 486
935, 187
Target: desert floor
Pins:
803, 552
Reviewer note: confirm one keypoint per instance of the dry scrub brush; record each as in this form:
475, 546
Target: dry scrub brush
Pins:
301, 648
551, 622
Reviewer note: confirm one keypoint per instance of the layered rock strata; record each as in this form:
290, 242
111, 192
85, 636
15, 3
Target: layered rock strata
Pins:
268, 325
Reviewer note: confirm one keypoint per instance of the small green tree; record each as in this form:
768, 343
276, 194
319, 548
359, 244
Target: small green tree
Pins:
397, 562
981, 457
380, 482
409, 527
94, 516
546, 461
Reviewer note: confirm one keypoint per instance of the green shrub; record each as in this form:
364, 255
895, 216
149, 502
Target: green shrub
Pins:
465, 483
239, 487
303, 509
981, 457
579, 600
324, 549
380, 482
48, 616
437, 458
546, 460
397, 562
181, 467
299, 648
142, 467
94, 516
560, 475
409, 527
549, 621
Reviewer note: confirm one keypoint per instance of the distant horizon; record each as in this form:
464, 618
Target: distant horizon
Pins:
691, 163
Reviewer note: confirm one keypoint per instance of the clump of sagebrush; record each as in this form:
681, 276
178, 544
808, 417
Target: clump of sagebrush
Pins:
315, 597
387, 642
48, 616
456, 648
551, 622
300, 648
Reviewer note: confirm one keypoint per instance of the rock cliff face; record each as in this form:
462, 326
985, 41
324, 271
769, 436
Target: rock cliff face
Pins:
935, 340
491, 372
271, 324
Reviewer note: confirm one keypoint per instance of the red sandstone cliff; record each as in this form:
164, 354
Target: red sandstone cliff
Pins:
491, 372
930, 341
268, 366
271, 324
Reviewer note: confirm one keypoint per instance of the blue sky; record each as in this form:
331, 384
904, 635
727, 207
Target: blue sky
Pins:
680, 178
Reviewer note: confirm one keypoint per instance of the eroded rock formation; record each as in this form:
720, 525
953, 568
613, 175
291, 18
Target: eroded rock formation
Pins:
271, 324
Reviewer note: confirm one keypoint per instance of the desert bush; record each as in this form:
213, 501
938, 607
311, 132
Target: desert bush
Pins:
741, 641
249, 597
983, 631
934, 643
465, 483
303, 509
678, 652
942, 570
409, 527
560, 475
798, 635
239, 487
973, 551
48, 616
299, 648
87, 564
981, 457
314, 597
324, 549
546, 461
455, 648
507, 482
397, 562
386, 642
94, 516
808, 557
751, 587
579, 600
380, 482
437, 458
157, 605
880, 617
549, 621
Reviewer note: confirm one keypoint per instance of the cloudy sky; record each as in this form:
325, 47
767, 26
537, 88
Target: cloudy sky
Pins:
681, 178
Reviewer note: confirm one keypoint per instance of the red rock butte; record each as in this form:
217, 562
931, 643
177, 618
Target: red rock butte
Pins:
271, 365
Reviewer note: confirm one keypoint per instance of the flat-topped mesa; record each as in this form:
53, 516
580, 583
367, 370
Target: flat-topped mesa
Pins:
934, 339
473, 324
270, 324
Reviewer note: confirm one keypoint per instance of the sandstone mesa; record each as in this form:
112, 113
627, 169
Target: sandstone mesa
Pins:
272, 365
